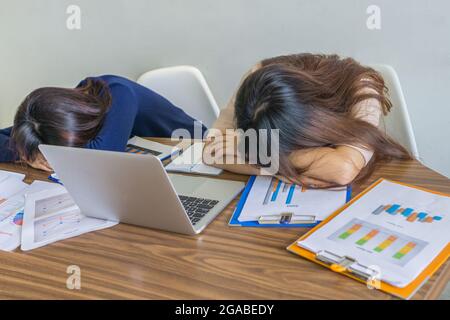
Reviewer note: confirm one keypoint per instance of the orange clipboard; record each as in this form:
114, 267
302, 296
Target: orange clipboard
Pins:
405, 292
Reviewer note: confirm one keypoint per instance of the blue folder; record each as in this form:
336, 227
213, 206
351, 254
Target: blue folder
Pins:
234, 221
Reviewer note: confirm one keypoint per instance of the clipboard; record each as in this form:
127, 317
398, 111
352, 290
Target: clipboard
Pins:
284, 220
361, 273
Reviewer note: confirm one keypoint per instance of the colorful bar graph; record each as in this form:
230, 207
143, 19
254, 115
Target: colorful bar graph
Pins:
276, 190
367, 237
386, 243
408, 213
350, 231
290, 194
404, 251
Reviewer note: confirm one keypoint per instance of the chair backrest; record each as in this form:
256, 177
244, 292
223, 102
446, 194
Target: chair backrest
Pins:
397, 123
186, 88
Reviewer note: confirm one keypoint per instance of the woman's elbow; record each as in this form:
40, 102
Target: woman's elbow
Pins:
345, 173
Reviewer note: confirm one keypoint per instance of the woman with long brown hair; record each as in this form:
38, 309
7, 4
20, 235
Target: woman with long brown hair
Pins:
99, 113
327, 111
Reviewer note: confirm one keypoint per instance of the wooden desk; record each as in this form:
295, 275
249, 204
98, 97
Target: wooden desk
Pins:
127, 262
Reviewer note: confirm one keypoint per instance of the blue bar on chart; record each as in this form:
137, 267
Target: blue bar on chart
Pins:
421, 216
407, 212
275, 194
392, 210
290, 194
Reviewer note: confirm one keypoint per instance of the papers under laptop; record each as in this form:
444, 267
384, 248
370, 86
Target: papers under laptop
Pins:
190, 161
52, 215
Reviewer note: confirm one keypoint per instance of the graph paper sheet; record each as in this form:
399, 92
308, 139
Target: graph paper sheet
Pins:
52, 215
11, 215
270, 196
395, 229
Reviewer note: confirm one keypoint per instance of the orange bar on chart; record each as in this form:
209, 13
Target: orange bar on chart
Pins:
403, 251
350, 231
412, 217
386, 243
428, 219
367, 237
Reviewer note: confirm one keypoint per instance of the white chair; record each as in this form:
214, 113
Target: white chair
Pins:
186, 88
397, 123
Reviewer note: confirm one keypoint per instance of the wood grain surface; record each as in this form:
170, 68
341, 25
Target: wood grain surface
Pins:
129, 262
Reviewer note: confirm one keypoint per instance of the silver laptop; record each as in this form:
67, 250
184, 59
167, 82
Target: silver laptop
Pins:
135, 189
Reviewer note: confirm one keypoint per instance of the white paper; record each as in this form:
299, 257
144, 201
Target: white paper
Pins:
269, 196
411, 243
11, 215
145, 146
190, 161
10, 186
6, 174
52, 215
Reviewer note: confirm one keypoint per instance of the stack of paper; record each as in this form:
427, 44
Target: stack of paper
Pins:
38, 214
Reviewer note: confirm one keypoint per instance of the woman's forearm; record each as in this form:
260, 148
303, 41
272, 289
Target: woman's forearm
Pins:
338, 165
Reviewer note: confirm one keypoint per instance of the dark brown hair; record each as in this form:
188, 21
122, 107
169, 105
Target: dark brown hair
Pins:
310, 99
60, 116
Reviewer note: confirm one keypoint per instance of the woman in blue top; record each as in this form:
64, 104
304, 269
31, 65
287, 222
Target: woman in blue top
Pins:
100, 113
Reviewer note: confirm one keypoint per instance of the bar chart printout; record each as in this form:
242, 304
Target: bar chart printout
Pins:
379, 242
281, 191
409, 214
270, 197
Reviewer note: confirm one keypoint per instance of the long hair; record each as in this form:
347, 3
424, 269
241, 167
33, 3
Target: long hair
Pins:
60, 116
310, 99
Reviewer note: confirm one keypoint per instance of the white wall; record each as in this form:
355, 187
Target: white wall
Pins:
224, 38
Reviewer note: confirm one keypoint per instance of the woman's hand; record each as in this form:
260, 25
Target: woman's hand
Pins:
40, 163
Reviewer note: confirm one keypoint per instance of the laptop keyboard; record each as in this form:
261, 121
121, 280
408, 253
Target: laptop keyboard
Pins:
197, 208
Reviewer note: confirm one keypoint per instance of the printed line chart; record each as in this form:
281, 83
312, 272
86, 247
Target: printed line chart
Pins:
48, 227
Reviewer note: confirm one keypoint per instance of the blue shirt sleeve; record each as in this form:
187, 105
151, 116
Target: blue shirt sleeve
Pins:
7, 153
119, 121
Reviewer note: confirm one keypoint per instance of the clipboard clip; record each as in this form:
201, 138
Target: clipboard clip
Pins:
287, 218
342, 264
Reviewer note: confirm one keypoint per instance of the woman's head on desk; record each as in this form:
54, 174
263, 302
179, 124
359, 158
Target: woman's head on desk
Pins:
59, 116
327, 111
